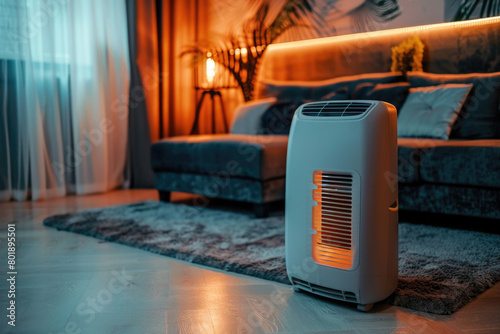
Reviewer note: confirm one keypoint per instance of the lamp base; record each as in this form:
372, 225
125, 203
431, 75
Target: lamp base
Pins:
213, 94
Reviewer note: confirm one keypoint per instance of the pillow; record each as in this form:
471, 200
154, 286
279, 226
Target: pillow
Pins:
480, 116
247, 118
352, 81
284, 90
277, 119
340, 94
314, 90
429, 112
393, 93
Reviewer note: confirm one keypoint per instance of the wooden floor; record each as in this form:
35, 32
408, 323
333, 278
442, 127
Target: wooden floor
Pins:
68, 283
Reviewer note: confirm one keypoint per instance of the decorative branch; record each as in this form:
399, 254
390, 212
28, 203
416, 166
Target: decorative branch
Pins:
241, 54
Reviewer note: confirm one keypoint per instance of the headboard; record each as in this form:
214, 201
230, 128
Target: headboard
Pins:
456, 47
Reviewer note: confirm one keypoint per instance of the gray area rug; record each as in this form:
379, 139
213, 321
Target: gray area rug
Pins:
440, 269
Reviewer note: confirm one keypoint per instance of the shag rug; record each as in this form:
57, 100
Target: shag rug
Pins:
440, 269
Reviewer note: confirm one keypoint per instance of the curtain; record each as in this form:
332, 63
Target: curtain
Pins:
183, 23
64, 85
139, 140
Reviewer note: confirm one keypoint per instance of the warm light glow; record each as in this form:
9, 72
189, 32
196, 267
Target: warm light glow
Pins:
389, 32
244, 55
338, 257
210, 70
217, 294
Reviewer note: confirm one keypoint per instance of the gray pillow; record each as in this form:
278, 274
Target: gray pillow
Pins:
393, 93
315, 90
247, 118
429, 112
480, 115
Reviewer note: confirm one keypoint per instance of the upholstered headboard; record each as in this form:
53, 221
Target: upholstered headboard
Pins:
463, 47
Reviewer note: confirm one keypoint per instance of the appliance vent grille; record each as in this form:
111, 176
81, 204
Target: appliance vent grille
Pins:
332, 219
324, 291
335, 109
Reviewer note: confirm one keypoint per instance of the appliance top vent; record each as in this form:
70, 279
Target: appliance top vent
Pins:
335, 109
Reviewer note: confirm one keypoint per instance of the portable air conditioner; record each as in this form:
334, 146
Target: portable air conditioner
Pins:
341, 216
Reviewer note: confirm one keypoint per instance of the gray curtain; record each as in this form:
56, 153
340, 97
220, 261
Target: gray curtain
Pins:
139, 169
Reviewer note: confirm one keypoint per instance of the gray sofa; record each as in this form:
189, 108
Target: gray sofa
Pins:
457, 176
460, 177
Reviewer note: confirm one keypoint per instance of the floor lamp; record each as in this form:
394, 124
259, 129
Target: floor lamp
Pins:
210, 78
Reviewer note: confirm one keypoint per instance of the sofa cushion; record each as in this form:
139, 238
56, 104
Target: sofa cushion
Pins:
393, 93
429, 112
480, 116
450, 199
408, 163
316, 90
456, 162
410, 153
256, 157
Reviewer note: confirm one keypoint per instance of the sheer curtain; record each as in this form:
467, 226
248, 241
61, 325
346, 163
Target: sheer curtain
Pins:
64, 83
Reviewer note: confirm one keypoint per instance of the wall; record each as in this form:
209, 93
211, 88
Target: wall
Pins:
414, 13
226, 17
340, 15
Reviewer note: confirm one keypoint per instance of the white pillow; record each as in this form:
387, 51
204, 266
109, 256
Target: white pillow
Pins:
247, 116
429, 112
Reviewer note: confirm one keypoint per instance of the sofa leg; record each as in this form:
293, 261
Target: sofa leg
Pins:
261, 210
164, 195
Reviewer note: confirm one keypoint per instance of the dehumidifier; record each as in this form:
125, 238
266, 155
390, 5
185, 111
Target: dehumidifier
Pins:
341, 216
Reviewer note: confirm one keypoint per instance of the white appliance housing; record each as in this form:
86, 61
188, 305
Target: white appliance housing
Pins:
341, 216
